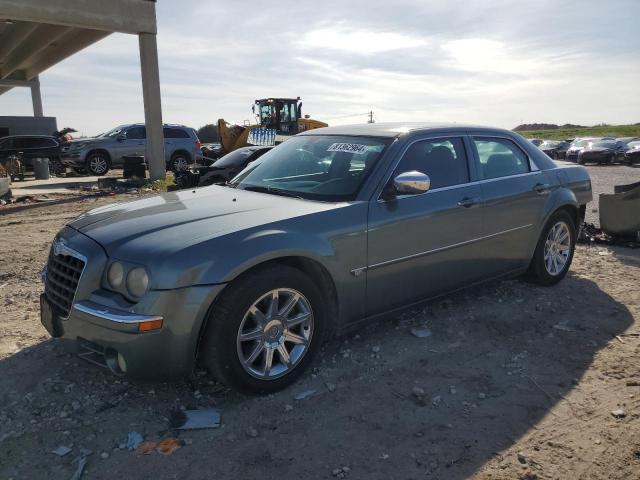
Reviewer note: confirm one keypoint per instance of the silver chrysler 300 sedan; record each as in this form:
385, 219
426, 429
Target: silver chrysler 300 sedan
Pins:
334, 227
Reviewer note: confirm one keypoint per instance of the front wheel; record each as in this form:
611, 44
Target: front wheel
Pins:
554, 252
97, 164
264, 330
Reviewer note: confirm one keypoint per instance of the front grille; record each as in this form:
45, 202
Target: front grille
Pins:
63, 274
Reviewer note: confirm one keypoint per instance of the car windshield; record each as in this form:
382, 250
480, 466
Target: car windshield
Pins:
581, 143
604, 144
550, 143
112, 133
328, 168
634, 145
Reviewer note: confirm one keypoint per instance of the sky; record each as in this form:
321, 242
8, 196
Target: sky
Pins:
489, 62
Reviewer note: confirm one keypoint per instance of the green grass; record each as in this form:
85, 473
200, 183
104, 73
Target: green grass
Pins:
598, 131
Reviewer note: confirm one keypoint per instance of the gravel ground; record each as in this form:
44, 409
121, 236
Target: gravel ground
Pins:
603, 179
515, 382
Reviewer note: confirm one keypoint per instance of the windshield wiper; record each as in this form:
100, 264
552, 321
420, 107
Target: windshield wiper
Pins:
275, 191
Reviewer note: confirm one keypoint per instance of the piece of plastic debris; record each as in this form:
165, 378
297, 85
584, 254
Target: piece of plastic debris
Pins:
305, 394
563, 327
133, 440
78, 473
146, 448
421, 332
61, 451
619, 413
168, 446
197, 419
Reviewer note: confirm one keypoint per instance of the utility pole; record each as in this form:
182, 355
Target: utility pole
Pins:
371, 120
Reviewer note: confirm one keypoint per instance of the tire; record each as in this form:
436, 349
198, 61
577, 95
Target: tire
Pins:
541, 270
97, 163
179, 162
229, 359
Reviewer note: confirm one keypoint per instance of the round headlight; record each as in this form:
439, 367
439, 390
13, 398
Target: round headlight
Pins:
137, 281
115, 275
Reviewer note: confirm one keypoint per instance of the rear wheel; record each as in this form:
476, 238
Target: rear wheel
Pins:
264, 330
554, 252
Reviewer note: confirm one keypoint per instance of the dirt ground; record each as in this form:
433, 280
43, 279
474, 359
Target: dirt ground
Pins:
515, 382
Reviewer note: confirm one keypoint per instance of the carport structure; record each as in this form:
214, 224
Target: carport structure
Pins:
37, 34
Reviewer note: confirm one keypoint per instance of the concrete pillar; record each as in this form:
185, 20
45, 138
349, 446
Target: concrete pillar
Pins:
152, 106
36, 97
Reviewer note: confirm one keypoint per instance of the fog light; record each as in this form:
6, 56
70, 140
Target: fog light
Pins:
122, 363
137, 282
115, 275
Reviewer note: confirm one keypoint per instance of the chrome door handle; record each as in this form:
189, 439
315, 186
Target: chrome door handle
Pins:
542, 188
468, 202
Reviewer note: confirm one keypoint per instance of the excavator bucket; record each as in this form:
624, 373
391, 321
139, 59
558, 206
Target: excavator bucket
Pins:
620, 212
232, 137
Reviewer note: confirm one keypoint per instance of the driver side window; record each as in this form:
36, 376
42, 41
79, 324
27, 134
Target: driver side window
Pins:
444, 160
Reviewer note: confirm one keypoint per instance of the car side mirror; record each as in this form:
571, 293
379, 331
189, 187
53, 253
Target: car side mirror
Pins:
411, 183
121, 137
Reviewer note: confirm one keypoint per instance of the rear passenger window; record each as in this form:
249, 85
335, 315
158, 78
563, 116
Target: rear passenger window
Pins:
500, 157
175, 133
444, 160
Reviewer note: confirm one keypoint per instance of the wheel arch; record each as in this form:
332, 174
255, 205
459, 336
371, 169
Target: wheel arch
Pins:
99, 150
309, 266
180, 151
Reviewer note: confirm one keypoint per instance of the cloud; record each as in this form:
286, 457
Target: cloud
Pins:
478, 61
360, 42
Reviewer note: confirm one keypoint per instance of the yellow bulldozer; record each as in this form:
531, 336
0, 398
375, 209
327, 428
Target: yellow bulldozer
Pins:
277, 120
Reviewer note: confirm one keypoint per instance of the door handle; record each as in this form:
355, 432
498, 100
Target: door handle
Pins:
542, 188
468, 202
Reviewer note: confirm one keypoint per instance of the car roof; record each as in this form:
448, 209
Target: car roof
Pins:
27, 136
396, 129
175, 125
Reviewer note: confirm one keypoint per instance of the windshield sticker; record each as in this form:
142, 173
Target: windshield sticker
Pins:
354, 148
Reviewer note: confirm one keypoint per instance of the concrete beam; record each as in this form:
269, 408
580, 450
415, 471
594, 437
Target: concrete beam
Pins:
37, 41
70, 43
13, 36
15, 83
126, 16
152, 106
36, 98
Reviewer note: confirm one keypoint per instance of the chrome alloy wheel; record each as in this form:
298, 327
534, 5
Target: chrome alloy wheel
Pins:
275, 334
98, 164
180, 164
557, 248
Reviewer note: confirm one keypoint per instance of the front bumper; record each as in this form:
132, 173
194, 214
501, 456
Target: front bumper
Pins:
109, 336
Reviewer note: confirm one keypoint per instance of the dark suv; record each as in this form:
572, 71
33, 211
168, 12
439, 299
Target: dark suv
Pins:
28, 147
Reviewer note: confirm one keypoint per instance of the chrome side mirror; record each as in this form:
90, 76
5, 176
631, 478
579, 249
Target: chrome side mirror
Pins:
411, 183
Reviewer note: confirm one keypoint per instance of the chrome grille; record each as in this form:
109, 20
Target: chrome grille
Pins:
61, 282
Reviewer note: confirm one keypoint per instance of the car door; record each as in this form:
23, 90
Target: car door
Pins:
423, 244
131, 142
514, 193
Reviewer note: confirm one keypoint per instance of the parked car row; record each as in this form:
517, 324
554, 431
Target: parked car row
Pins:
594, 150
97, 155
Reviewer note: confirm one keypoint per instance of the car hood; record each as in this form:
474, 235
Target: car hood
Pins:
166, 223
597, 150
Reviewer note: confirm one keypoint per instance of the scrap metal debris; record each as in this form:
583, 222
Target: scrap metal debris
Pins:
305, 394
199, 419
134, 439
421, 332
78, 473
61, 451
